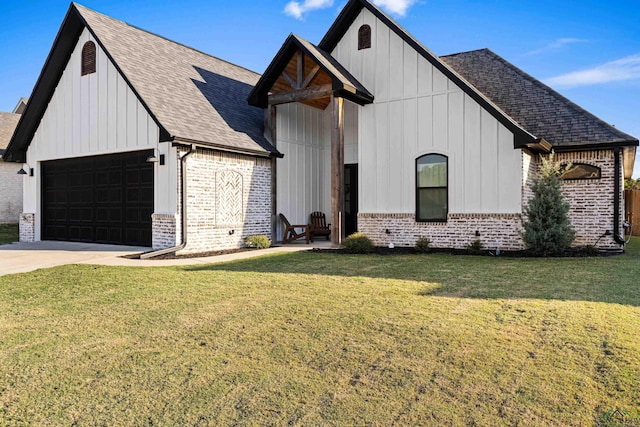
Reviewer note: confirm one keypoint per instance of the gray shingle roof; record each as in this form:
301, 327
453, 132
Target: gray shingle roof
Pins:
8, 123
534, 105
194, 96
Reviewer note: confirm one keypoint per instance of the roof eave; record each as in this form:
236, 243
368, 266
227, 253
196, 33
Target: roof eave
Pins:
42, 92
226, 148
259, 97
357, 97
347, 15
540, 145
595, 145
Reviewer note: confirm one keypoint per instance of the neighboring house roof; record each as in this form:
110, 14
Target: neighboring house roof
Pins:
522, 137
538, 108
193, 97
8, 123
344, 84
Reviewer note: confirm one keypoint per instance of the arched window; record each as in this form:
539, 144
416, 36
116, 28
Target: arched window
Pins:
432, 197
580, 171
364, 37
88, 58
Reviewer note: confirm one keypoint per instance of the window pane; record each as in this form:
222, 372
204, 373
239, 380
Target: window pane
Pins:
432, 171
432, 204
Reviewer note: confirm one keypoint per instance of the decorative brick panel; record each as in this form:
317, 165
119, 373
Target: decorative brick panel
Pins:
497, 231
27, 227
228, 199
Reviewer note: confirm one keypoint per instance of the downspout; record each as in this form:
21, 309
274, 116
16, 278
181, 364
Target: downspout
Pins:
183, 210
616, 197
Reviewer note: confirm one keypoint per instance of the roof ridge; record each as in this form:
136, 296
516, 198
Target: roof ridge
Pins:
559, 96
164, 38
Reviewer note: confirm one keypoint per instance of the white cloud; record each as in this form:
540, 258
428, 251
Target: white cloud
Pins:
557, 44
627, 68
397, 7
297, 9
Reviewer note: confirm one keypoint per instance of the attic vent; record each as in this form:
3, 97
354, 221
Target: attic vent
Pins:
88, 58
364, 37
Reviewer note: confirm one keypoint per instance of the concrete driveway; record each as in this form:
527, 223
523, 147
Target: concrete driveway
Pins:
25, 257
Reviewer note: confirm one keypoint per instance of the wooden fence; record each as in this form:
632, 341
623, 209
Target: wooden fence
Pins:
632, 209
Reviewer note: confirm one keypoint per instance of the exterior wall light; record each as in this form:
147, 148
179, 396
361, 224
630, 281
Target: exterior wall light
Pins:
24, 172
155, 159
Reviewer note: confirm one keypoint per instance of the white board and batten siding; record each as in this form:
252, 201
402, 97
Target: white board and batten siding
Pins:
304, 173
92, 115
417, 110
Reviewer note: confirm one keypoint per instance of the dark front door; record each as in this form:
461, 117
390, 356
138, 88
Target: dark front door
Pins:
350, 199
99, 199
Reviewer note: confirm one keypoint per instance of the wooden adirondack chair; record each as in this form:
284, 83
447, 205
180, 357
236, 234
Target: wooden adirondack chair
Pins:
290, 233
319, 226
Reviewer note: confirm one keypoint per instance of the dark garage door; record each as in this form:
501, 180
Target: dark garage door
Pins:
101, 199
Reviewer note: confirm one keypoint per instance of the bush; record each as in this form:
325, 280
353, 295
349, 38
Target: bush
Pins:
358, 243
547, 229
475, 247
259, 241
422, 245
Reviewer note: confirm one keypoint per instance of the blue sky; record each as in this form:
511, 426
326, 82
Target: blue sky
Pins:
589, 50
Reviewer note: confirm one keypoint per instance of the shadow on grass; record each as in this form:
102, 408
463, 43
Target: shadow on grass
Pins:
607, 279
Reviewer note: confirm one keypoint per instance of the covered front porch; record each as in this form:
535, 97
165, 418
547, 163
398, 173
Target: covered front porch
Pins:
311, 113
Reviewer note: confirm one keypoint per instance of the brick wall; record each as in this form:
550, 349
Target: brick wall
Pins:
10, 192
164, 231
228, 199
496, 231
27, 227
591, 200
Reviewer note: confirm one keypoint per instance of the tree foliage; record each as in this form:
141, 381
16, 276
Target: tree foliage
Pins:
547, 229
632, 184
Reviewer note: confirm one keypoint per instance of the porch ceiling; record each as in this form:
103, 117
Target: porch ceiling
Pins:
309, 65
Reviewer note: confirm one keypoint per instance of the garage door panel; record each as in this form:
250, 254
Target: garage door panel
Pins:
133, 195
103, 199
80, 233
146, 195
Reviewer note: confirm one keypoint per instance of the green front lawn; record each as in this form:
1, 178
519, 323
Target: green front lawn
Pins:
324, 339
8, 233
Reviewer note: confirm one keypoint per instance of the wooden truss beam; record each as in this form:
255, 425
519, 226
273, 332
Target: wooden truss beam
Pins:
297, 95
310, 77
300, 82
300, 56
290, 80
